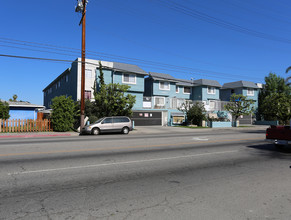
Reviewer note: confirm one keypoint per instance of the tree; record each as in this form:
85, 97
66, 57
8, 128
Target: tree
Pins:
239, 105
111, 99
4, 110
277, 106
288, 79
63, 113
196, 114
274, 99
14, 98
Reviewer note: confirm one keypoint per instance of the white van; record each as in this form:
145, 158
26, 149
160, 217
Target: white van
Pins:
121, 124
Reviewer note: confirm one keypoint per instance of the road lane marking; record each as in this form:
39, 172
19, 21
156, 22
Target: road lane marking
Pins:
121, 163
200, 139
124, 148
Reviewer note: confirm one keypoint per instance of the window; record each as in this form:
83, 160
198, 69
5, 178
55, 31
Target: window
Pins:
177, 89
67, 78
177, 103
210, 90
178, 119
88, 74
250, 92
212, 104
59, 84
164, 86
232, 91
120, 120
87, 94
107, 121
159, 101
129, 78
187, 90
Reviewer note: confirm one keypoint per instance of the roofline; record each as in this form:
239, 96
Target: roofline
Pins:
31, 105
56, 79
126, 71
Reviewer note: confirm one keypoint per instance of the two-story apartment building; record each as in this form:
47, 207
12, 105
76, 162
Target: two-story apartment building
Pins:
69, 82
207, 91
246, 88
159, 96
164, 94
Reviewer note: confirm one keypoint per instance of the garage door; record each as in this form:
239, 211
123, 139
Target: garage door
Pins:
245, 120
147, 118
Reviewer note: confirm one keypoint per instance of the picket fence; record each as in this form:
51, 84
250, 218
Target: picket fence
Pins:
25, 125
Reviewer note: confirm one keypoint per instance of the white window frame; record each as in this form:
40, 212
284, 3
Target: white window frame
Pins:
184, 90
160, 97
129, 75
209, 90
164, 85
177, 87
250, 92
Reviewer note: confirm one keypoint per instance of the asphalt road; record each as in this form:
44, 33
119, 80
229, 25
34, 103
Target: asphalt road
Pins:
211, 174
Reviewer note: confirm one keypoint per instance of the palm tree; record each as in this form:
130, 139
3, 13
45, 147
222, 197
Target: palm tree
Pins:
15, 98
288, 78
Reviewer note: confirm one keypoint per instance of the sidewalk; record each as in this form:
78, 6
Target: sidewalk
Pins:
38, 134
137, 130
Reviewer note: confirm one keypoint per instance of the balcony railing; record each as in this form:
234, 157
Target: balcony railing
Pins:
175, 103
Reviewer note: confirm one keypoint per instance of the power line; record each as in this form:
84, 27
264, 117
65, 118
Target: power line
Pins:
157, 65
219, 22
76, 51
72, 61
93, 54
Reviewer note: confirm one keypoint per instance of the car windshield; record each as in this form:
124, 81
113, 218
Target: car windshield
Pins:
99, 120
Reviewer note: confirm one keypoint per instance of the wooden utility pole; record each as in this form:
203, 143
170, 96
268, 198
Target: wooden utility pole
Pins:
81, 7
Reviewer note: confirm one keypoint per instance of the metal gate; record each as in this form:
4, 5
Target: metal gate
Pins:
144, 118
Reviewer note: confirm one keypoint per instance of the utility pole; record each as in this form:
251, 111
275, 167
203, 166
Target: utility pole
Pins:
81, 7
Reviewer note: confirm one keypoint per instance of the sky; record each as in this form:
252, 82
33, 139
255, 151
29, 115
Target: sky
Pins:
225, 40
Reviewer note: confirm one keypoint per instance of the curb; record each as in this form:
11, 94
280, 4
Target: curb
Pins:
34, 135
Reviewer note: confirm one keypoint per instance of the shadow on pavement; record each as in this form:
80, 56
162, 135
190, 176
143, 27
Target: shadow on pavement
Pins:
255, 131
271, 150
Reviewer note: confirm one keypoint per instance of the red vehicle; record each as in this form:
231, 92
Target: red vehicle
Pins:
279, 135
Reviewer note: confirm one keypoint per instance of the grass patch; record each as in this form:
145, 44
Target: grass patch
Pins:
191, 127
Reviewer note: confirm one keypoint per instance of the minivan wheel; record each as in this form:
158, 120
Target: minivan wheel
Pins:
95, 131
125, 130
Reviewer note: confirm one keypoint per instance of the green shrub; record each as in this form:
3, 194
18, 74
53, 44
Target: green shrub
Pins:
63, 113
4, 110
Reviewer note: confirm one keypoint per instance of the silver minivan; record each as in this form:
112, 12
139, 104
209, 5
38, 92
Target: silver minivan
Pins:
121, 124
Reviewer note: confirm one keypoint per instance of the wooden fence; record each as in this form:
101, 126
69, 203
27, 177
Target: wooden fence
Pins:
25, 125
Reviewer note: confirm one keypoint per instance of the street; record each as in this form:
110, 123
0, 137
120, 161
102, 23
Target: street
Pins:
188, 174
